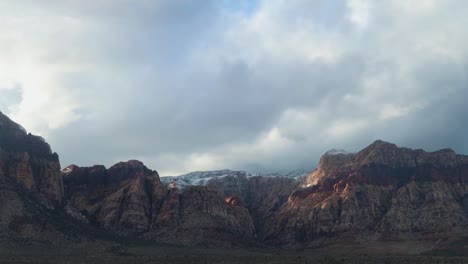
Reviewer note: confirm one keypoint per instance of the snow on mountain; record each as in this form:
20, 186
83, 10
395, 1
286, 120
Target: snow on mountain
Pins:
201, 178
198, 178
337, 152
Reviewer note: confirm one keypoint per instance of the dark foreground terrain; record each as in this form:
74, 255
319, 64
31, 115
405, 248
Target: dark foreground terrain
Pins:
103, 252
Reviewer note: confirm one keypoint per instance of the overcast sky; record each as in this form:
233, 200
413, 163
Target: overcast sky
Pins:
186, 85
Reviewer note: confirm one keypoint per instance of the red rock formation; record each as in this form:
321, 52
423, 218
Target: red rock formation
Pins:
198, 215
31, 189
261, 195
129, 199
382, 192
29, 161
124, 199
234, 200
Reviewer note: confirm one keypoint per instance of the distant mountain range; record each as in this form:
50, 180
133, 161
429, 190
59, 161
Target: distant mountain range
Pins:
381, 193
202, 178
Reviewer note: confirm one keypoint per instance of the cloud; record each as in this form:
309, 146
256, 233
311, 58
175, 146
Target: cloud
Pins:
260, 85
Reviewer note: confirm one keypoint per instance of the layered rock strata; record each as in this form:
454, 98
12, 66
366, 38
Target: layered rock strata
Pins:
382, 192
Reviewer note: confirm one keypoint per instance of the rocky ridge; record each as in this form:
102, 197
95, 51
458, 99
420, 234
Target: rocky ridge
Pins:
130, 200
31, 190
28, 160
381, 193
203, 178
124, 199
261, 194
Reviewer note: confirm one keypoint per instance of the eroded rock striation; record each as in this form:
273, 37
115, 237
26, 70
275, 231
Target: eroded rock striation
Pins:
28, 160
382, 192
198, 215
31, 189
263, 196
130, 200
124, 199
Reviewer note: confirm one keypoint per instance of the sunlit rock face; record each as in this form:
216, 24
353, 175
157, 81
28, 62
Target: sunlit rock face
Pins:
332, 164
381, 192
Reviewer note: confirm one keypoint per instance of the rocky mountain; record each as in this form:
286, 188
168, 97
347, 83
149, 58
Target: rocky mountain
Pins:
28, 160
198, 215
203, 178
382, 192
199, 178
124, 199
31, 190
261, 194
130, 200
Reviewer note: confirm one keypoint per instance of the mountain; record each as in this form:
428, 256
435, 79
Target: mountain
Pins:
124, 199
379, 194
199, 178
130, 200
383, 193
201, 216
31, 191
261, 194
28, 161
202, 178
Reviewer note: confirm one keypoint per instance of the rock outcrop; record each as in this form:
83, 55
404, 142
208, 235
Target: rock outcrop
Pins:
28, 160
382, 192
263, 196
198, 215
31, 190
130, 200
124, 199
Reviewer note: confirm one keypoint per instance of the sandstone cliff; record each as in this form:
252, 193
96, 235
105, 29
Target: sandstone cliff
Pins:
382, 192
124, 199
198, 215
130, 200
28, 160
31, 190
263, 196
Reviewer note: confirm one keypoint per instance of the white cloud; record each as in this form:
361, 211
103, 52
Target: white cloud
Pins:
393, 111
345, 128
189, 86
359, 13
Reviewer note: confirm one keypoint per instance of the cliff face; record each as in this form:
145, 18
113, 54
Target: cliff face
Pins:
382, 192
263, 196
28, 161
129, 199
31, 188
198, 215
124, 199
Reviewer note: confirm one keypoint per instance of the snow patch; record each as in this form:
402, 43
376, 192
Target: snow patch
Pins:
337, 152
201, 178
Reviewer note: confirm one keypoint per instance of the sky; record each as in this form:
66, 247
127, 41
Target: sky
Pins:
257, 85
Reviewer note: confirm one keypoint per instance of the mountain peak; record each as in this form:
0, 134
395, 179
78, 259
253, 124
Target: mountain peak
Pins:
129, 164
381, 144
332, 152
